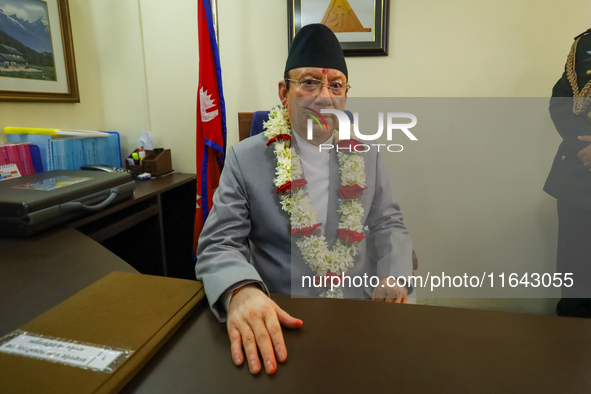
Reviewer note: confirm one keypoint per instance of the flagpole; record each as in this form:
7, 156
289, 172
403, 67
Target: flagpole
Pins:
214, 15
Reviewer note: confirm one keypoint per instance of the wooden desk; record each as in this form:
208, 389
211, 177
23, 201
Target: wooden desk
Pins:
39, 272
348, 346
153, 231
344, 346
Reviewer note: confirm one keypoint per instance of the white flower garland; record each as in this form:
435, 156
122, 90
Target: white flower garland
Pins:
298, 205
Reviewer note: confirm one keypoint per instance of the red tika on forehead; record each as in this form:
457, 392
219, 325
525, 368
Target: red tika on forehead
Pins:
324, 71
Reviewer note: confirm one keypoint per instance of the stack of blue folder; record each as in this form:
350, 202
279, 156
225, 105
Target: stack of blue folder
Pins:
70, 153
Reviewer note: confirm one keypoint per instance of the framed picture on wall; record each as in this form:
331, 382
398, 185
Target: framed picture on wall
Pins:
360, 25
36, 52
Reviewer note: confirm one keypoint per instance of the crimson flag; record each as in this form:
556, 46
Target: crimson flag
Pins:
211, 118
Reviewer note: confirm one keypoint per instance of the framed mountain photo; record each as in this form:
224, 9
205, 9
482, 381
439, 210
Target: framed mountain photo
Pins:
361, 26
36, 52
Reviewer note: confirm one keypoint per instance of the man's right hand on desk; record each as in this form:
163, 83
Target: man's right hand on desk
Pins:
254, 321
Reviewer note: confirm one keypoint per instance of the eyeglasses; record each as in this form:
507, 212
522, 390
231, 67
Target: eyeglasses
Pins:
312, 85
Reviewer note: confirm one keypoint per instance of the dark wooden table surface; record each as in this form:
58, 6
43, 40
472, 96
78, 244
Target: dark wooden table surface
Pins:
345, 346
38, 273
348, 346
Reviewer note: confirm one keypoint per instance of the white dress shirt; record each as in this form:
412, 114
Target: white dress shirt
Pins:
315, 164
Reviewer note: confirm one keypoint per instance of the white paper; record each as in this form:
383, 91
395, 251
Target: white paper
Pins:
145, 141
70, 353
147, 136
9, 171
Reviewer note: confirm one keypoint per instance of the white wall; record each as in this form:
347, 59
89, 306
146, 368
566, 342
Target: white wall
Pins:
118, 42
172, 70
471, 192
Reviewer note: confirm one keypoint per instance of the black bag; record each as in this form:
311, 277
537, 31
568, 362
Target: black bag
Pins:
36, 202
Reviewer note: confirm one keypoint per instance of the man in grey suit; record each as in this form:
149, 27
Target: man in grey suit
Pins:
247, 249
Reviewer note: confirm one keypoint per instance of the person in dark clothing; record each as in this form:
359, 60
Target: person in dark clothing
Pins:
569, 180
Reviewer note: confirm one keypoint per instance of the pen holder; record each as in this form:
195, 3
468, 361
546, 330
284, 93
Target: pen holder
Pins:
156, 163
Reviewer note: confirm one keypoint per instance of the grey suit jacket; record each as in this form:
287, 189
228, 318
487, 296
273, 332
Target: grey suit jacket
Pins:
247, 234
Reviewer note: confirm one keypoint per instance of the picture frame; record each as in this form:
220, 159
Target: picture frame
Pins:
37, 64
360, 25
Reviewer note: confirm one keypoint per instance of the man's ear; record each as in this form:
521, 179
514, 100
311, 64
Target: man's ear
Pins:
283, 93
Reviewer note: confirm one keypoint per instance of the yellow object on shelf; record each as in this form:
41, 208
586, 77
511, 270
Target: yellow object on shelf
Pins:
77, 133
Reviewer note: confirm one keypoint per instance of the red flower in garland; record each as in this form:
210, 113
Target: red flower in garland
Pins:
298, 184
306, 231
285, 188
292, 186
351, 191
279, 137
350, 236
348, 145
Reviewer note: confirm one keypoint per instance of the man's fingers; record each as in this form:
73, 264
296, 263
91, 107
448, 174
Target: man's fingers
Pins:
264, 344
286, 319
388, 293
405, 300
254, 323
586, 138
236, 345
250, 348
276, 334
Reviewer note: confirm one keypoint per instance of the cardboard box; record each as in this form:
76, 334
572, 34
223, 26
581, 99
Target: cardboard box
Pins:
122, 311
